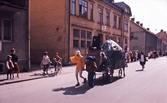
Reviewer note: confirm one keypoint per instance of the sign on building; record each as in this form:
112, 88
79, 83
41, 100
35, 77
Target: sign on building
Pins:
103, 28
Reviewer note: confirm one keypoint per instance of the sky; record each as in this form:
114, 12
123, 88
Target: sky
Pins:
152, 13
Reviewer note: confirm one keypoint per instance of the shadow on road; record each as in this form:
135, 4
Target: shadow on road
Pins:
1, 80
46, 75
139, 70
73, 90
100, 82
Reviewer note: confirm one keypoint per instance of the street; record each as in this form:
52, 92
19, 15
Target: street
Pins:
148, 86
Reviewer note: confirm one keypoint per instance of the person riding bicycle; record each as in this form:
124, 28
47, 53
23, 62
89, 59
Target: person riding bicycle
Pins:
45, 62
57, 60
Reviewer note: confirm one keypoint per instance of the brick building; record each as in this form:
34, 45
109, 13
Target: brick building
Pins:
14, 32
142, 39
163, 35
68, 25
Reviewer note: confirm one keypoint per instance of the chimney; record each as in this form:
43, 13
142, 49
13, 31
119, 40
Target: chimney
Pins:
161, 30
141, 24
137, 22
133, 19
148, 28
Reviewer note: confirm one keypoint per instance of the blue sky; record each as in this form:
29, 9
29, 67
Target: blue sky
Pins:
152, 13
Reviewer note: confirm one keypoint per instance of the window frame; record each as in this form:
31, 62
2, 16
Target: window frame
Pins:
126, 25
107, 18
83, 34
119, 22
115, 22
82, 43
83, 8
4, 30
100, 12
76, 33
89, 35
88, 44
73, 7
75, 43
91, 12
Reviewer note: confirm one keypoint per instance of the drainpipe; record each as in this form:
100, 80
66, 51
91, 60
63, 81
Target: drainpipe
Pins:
69, 32
29, 62
145, 44
122, 31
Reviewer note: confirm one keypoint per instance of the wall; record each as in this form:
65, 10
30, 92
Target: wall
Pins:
48, 28
19, 38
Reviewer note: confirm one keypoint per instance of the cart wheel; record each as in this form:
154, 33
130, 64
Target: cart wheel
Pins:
104, 77
120, 73
110, 78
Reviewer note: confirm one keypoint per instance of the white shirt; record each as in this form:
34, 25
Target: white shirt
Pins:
142, 58
46, 60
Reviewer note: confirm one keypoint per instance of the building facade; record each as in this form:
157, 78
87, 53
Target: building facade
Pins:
163, 35
69, 25
14, 32
142, 39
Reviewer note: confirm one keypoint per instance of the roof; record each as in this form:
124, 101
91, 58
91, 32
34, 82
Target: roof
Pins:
125, 7
142, 28
120, 6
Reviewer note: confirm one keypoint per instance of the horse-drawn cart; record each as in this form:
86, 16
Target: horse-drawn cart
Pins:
109, 57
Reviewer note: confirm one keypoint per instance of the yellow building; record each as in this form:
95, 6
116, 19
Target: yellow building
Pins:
68, 25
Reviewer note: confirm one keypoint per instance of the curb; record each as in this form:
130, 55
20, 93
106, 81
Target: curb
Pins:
28, 77
17, 81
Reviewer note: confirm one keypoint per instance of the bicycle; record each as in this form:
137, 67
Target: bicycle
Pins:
58, 66
48, 68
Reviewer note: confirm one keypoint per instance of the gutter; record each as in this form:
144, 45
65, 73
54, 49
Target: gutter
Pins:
29, 61
68, 33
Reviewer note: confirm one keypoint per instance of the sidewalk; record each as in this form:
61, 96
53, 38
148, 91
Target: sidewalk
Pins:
35, 73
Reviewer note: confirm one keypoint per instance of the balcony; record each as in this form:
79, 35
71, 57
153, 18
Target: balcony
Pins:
13, 5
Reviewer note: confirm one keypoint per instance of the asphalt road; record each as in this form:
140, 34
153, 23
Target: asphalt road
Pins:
148, 86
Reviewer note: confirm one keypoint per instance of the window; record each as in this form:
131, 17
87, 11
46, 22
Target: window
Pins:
88, 44
75, 43
5, 29
0, 30
73, 7
126, 41
107, 18
91, 11
83, 8
82, 44
115, 21
126, 25
100, 15
83, 34
119, 23
89, 35
131, 36
76, 32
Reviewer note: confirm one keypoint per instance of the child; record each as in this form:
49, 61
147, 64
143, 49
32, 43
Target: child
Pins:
10, 66
57, 60
90, 68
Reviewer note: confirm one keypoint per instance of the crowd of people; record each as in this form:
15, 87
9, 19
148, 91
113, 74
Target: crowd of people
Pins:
134, 55
91, 66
